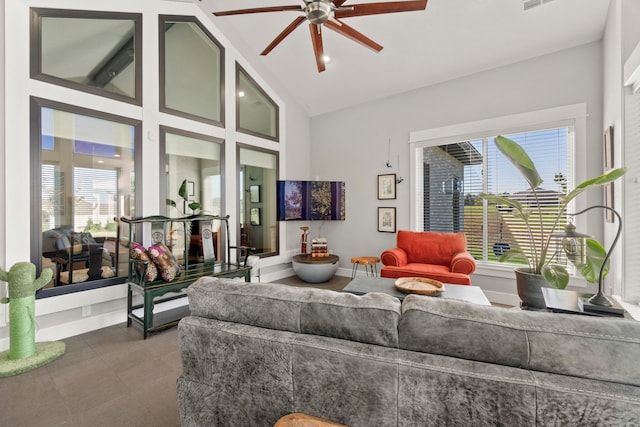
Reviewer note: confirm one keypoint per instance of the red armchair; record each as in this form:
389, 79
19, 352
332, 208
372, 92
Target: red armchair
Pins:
439, 256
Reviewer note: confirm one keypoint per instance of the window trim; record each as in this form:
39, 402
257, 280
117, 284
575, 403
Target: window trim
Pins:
275, 138
36, 50
36, 181
574, 115
162, 72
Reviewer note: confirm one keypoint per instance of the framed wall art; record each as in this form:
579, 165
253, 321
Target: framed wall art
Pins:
254, 193
191, 188
607, 154
608, 201
254, 216
387, 186
387, 220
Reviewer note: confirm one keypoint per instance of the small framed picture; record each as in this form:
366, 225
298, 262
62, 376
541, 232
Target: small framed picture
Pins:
387, 220
608, 201
387, 186
191, 188
254, 216
254, 193
607, 154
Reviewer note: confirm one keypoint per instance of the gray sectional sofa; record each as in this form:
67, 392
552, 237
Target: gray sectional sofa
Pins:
252, 353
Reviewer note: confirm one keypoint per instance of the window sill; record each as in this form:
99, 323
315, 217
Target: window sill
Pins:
505, 270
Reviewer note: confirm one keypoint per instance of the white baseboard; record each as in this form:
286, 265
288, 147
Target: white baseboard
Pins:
77, 327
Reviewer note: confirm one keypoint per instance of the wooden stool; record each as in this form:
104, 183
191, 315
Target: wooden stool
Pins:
370, 265
304, 420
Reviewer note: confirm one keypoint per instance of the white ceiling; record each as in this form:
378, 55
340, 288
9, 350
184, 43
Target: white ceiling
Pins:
450, 39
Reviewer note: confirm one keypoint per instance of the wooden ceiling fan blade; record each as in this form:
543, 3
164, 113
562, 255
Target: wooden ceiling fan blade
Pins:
316, 39
378, 8
259, 10
295, 24
356, 36
338, 3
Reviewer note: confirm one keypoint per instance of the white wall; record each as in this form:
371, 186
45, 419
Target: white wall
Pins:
621, 36
68, 315
360, 134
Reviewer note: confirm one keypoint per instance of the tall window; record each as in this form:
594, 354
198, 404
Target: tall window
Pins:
454, 174
256, 112
86, 180
257, 198
191, 70
96, 52
193, 178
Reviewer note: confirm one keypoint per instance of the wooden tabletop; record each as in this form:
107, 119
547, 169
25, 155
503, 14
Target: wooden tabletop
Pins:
308, 259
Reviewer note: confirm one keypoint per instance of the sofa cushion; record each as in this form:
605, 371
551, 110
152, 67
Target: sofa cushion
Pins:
588, 347
139, 252
371, 318
167, 265
430, 271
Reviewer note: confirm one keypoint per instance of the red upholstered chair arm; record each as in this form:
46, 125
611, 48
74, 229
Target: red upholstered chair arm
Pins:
395, 257
463, 262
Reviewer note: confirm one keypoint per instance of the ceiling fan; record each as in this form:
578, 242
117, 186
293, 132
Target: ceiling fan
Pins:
328, 13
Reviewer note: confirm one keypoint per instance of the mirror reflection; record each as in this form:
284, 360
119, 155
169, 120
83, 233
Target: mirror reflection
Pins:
86, 184
258, 225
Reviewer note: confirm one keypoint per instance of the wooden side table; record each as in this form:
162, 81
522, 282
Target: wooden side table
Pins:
370, 265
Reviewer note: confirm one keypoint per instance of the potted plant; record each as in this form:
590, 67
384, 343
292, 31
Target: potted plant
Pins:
541, 269
184, 195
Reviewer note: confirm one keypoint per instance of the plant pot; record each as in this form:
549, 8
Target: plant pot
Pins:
530, 288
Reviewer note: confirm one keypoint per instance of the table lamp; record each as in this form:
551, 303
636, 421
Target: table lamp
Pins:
573, 244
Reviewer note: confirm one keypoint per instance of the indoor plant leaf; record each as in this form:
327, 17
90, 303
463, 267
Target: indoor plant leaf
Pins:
520, 159
595, 257
171, 203
182, 191
556, 275
600, 180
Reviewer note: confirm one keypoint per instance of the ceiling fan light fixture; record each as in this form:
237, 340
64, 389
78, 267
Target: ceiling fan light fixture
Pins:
318, 12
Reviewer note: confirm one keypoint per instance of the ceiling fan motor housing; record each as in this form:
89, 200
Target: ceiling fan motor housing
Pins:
318, 12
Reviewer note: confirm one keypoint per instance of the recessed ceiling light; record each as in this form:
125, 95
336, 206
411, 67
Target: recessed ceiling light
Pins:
326, 59
241, 93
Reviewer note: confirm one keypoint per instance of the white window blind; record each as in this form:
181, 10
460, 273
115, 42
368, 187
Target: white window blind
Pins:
454, 175
631, 217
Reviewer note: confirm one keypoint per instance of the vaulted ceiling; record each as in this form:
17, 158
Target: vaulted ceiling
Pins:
447, 40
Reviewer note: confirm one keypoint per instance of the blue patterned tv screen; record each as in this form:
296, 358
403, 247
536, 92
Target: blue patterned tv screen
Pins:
310, 200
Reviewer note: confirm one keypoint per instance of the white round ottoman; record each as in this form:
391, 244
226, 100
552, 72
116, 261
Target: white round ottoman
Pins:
315, 269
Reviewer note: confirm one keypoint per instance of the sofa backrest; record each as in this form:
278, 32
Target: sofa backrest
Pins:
599, 348
371, 318
430, 247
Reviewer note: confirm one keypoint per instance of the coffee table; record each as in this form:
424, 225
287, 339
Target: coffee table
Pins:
364, 285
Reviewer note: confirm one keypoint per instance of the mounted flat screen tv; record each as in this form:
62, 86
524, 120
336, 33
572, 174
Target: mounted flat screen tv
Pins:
310, 200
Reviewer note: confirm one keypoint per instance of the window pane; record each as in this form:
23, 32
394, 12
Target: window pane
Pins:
196, 164
192, 71
89, 52
257, 113
455, 174
258, 225
87, 174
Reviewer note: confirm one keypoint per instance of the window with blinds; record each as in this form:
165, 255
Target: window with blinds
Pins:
631, 266
455, 174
